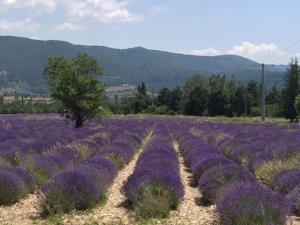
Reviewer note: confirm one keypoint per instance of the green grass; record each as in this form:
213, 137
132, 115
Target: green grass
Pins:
155, 200
268, 170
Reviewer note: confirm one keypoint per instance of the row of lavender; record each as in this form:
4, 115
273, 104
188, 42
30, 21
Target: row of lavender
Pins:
48, 153
239, 197
31, 152
155, 187
85, 184
270, 152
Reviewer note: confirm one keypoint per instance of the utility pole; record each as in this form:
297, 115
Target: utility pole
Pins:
263, 93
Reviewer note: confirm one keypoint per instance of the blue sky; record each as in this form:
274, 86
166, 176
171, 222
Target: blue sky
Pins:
257, 29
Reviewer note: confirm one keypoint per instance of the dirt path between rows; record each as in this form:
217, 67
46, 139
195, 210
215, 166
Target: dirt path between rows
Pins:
188, 212
113, 212
25, 212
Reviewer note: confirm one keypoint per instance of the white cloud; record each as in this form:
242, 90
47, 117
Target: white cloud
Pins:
102, 10
70, 27
39, 5
261, 51
19, 25
206, 52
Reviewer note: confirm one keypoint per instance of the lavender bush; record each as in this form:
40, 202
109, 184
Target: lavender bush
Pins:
252, 204
12, 187
213, 181
70, 190
206, 162
155, 187
294, 197
286, 181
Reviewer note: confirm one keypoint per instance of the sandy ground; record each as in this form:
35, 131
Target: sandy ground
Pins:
25, 212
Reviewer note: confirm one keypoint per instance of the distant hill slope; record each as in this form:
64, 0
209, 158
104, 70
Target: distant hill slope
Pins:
22, 62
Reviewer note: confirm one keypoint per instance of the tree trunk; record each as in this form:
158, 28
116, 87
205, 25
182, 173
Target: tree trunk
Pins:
78, 120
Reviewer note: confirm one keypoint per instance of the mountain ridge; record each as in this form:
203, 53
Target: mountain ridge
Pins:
23, 60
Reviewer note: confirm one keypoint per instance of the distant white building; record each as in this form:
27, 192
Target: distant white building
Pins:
120, 91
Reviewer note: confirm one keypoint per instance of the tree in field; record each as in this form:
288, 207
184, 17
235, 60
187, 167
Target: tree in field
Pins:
217, 99
240, 103
170, 98
176, 96
163, 97
290, 90
253, 92
75, 85
195, 95
273, 96
142, 100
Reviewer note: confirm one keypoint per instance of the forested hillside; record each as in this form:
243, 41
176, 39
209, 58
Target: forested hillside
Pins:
22, 62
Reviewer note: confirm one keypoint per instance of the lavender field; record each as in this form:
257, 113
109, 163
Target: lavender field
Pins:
148, 170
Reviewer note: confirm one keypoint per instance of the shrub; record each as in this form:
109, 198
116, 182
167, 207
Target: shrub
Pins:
294, 197
216, 178
27, 178
252, 204
269, 169
100, 170
119, 153
155, 200
286, 181
42, 169
85, 149
116, 159
12, 188
69, 190
206, 162
138, 179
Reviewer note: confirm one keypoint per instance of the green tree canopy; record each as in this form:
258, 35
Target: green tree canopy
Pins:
291, 90
142, 100
74, 83
195, 95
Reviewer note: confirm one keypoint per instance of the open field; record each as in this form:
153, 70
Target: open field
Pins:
11, 99
149, 170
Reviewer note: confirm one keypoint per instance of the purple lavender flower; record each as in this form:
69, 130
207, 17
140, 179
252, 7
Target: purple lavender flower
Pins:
206, 162
12, 187
244, 203
70, 190
215, 179
294, 197
286, 181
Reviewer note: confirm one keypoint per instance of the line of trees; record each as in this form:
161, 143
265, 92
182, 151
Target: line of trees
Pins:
215, 95
199, 96
77, 90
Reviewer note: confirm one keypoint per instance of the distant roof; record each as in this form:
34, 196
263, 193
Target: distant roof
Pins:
121, 88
